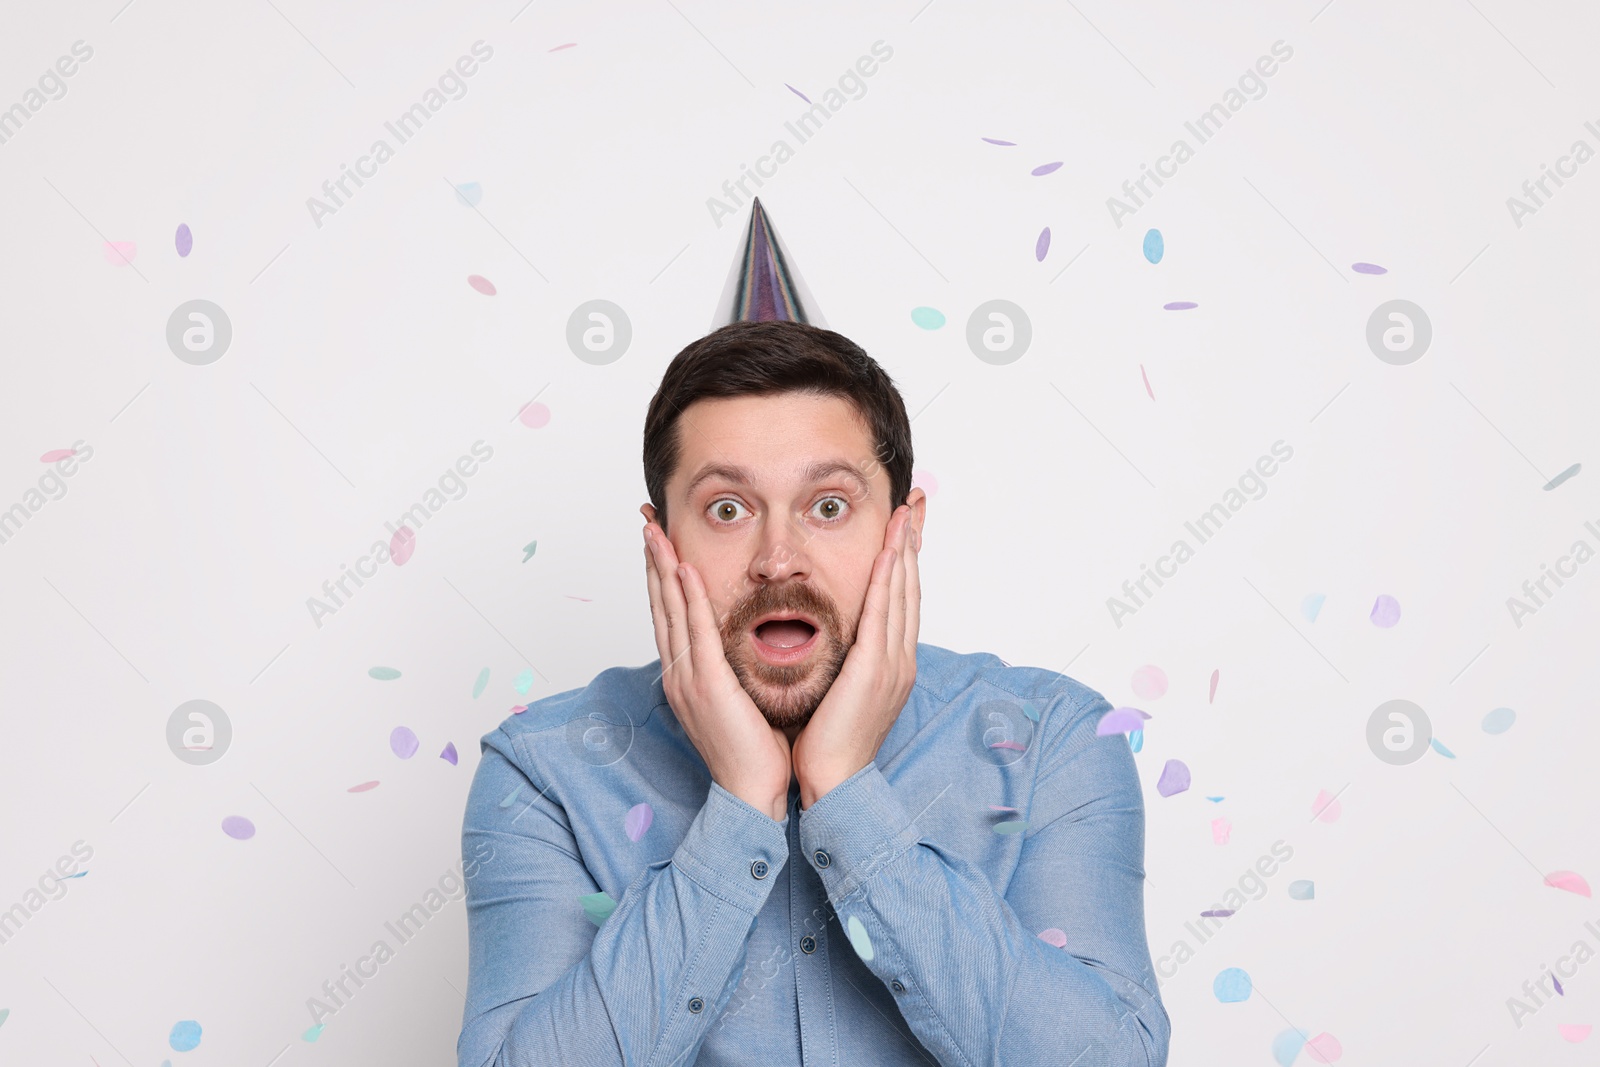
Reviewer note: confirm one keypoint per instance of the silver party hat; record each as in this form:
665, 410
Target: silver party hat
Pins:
763, 285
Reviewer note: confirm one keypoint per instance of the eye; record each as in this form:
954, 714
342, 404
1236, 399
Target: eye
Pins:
838, 509
726, 508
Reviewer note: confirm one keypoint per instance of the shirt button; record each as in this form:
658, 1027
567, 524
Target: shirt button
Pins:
758, 869
808, 944
896, 986
696, 1005
822, 858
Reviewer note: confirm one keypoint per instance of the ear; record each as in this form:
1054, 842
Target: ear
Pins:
919, 513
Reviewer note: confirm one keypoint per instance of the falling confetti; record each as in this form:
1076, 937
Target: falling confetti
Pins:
519, 709
1302, 889
1385, 611
1030, 711
1179, 305
1499, 721
1326, 808
1571, 881
1324, 1048
1042, 245
1146, 378
482, 284
1437, 747
797, 92
1046, 168
1054, 936
1013, 826
313, 1033
529, 549
1573, 1032
1218, 913
1213, 697
183, 240
362, 788
1154, 246
1013, 745
510, 797
534, 415
1174, 778
1136, 740
1000, 807
58, 454
469, 194
1120, 721
402, 545
1368, 268
524, 681
1149, 682
185, 1036
120, 253
384, 674
5, 1013
1557, 983
402, 742
1231, 985
1009, 144
928, 318
1221, 830
240, 829
449, 754
477, 686
638, 820
1311, 606
1216, 800
925, 481
598, 906
1287, 1045
561, 47
858, 938
1563, 476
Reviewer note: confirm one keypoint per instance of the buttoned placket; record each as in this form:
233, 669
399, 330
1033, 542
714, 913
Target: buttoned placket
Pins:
813, 978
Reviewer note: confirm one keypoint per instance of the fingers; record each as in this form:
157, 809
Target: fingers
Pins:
897, 587
705, 640
658, 611
913, 594
672, 599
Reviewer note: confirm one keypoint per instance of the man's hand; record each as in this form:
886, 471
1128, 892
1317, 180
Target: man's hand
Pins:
848, 727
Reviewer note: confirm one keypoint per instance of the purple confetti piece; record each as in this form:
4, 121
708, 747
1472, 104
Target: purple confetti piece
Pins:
449, 754
991, 140
1219, 913
1174, 778
1385, 611
1042, 245
1046, 168
183, 239
797, 92
638, 821
1557, 982
238, 827
1368, 268
1120, 721
403, 742
1179, 305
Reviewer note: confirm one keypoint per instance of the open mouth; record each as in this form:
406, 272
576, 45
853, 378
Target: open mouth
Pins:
783, 640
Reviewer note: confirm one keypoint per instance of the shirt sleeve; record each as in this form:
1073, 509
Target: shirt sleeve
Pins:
967, 966
545, 985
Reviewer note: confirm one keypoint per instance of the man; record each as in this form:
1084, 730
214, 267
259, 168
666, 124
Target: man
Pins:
801, 836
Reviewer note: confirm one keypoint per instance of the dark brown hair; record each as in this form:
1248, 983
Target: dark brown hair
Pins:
767, 358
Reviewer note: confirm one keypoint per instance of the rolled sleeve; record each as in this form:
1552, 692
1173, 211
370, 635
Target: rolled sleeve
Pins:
855, 830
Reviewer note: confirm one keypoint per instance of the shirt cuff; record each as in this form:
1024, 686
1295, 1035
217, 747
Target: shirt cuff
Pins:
857, 828
733, 850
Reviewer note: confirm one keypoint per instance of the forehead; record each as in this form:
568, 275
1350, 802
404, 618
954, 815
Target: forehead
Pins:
775, 438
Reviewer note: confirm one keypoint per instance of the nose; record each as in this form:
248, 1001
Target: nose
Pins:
780, 553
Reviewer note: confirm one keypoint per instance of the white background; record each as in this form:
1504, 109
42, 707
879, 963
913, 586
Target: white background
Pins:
219, 498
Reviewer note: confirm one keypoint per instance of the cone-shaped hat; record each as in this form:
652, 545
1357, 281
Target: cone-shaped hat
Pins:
763, 285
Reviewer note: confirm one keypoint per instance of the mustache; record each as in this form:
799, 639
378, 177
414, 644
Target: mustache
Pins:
801, 599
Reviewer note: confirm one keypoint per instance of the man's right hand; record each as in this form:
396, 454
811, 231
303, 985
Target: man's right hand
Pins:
746, 755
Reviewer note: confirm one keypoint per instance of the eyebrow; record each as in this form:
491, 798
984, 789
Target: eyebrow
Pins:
814, 472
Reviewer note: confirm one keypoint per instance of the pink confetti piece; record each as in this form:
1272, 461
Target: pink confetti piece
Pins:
1221, 829
1149, 682
1146, 378
1120, 721
534, 415
238, 827
403, 743
1571, 881
1046, 168
924, 480
992, 140
402, 544
1179, 305
362, 788
1009, 744
638, 820
1324, 1048
1041, 247
1000, 807
120, 253
482, 284
1574, 1032
797, 92
1368, 268
1054, 936
586, 600
1174, 778
57, 454
1326, 807
183, 240
519, 709
1214, 676
449, 755
1385, 611
569, 44
1218, 913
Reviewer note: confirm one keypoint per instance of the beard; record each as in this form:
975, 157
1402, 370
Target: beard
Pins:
787, 696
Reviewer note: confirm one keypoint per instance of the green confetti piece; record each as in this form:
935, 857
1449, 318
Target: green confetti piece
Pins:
529, 549
524, 681
858, 938
598, 906
927, 318
313, 1033
511, 796
384, 674
483, 680
1012, 826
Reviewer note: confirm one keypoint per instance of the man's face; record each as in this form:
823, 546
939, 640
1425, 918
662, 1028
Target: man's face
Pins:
781, 505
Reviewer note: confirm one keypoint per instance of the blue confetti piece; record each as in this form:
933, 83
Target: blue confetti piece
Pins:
1014, 826
1287, 1045
1030, 711
1154, 246
1231, 986
1302, 889
185, 1036
1499, 721
1437, 747
858, 938
1216, 800
1136, 739
511, 796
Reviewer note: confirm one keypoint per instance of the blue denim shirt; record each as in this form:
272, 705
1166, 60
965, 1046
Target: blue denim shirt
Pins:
975, 895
